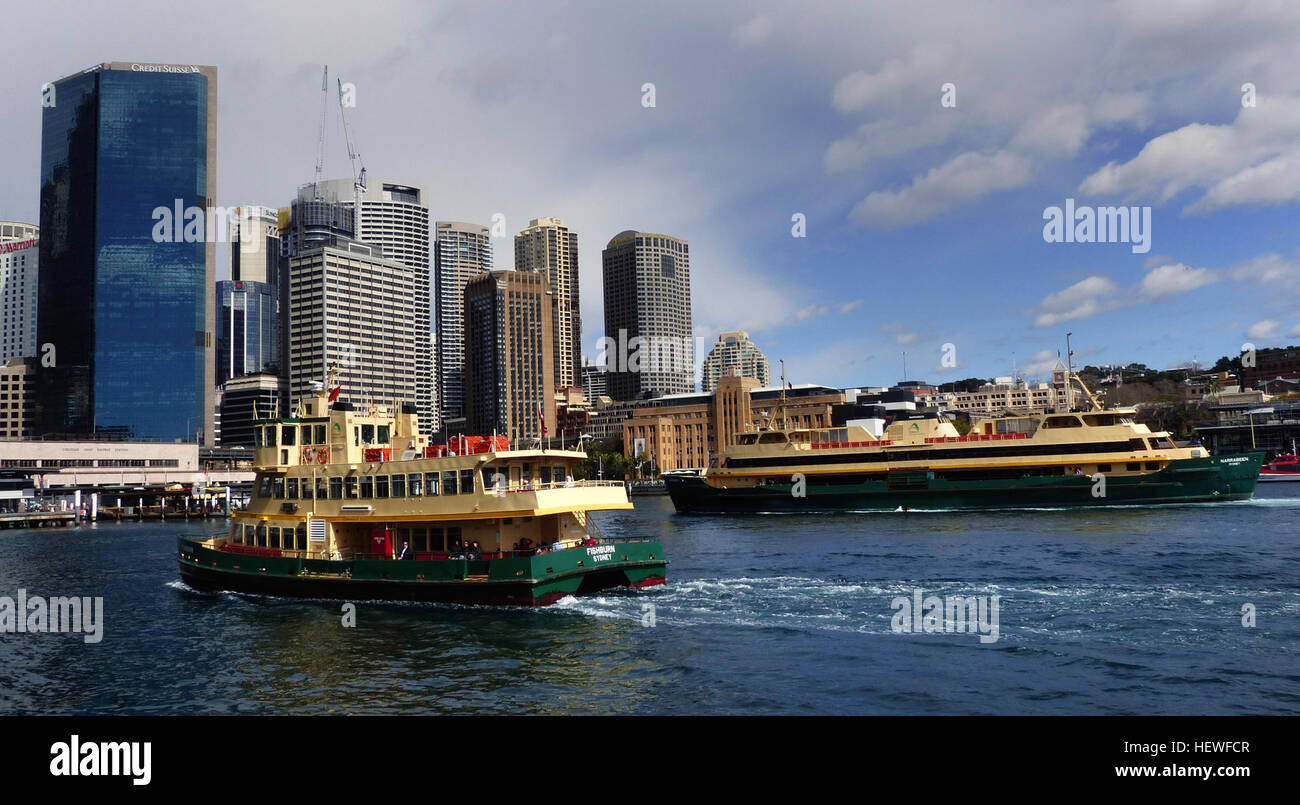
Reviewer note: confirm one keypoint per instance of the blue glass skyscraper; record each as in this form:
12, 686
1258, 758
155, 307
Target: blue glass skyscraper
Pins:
126, 309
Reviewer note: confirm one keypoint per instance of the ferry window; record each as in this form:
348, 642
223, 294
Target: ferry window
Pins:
435, 540
1137, 444
560, 474
467, 482
367, 486
381, 486
398, 489
367, 434
431, 483
278, 486
239, 537
488, 472
449, 482
318, 435
420, 539
301, 535
546, 475
336, 488
264, 487
453, 536
322, 489
381, 434
306, 489
261, 535
274, 537
306, 434
413, 481
1103, 468
287, 433
291, 489
1153, 465
356, 436
350, 487
257, 437
249, 531
1133, 466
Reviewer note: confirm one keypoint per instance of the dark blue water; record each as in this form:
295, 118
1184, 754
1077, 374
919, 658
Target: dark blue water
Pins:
1122, 610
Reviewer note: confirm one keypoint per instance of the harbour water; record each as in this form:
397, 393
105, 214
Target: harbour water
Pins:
1101, 611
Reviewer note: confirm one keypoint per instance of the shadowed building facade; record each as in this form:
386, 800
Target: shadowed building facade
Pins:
509, 365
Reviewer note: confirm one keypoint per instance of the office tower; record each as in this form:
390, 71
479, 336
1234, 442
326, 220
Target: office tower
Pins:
647, 280
549, 247
16, 386
128, 252
733, 351
19, 260
460, 251
353, 310
255, 253
593, 380
245, 400
509, 361
247, 329
395, 218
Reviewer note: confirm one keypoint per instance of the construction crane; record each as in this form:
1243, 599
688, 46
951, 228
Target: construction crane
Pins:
358, 167
320, 140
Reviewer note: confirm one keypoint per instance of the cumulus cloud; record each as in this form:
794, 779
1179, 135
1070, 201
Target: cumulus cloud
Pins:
1253, 160
964, 178
1268, 328
1173, 279
1083, 299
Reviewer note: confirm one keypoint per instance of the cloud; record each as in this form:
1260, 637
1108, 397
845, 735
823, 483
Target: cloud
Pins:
755, 32
1268, 328
860, 89
962, 179
1039, 363
1268, 268
849, 307
907, 339
810, 312
1081, 300
1253, 160
1173, 279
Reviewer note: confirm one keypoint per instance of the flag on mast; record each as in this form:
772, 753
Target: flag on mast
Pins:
541, 417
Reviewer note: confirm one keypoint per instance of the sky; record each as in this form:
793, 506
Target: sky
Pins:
923, 146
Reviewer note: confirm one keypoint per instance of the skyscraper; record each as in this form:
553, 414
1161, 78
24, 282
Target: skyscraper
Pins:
549, 247
19, 263
247, 331
128, 252
460, 251
647, 279
395, 218
733, 350
352, 310
509, 365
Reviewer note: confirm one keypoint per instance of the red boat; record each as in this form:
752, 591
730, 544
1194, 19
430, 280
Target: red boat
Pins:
1282, 468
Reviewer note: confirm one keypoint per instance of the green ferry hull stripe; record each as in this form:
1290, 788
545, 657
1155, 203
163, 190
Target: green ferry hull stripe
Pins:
1217, 478
534, 580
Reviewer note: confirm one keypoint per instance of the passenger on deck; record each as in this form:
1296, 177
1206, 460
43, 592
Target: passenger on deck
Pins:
406, 551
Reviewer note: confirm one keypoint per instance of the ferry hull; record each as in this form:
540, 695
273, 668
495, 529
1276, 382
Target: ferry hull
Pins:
530, 581
1217, 478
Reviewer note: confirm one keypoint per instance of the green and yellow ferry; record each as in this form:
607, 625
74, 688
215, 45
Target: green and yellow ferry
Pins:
1087, 456
355, 505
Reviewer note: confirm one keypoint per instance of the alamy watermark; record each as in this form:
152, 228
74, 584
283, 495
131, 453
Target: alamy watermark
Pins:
1099, 225
180, 223
648, 353
61, 614
953, 614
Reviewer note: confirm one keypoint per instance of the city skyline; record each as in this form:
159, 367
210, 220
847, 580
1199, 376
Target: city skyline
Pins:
888, 179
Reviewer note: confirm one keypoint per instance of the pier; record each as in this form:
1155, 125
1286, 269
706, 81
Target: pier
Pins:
36, 519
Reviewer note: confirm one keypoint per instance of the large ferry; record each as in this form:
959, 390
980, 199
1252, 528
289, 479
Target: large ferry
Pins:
351, 504
1086, 457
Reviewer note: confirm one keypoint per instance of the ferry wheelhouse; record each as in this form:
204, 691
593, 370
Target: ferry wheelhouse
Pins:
352, 504
1086, 457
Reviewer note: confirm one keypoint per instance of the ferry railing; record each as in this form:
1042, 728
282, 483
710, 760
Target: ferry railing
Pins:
535, 486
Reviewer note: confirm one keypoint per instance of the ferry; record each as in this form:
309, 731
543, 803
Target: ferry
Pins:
356, 505
1085, 457
1282, 468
